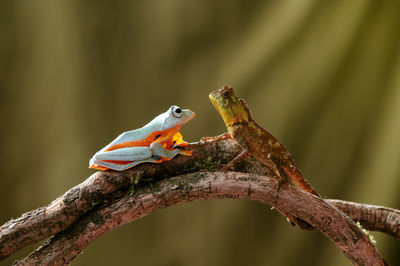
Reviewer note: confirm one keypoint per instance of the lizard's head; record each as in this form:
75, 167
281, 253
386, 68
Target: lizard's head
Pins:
232, 109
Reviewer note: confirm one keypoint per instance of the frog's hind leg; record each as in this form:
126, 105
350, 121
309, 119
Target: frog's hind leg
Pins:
121, 167
123, 158
124, 154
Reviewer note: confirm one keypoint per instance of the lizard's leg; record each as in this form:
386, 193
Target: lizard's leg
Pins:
274, 165
240, 157
297, 178
225, 135
291, 173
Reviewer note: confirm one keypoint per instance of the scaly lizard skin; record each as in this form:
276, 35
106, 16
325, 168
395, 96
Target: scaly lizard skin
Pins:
256, 140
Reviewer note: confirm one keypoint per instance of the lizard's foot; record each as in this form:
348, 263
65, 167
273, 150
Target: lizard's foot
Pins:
294, 221
219, 137
300, 223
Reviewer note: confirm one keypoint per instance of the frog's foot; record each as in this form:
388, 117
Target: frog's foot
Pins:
158, 159
180, 144
186, 152
179, 147
181, 150
98, 167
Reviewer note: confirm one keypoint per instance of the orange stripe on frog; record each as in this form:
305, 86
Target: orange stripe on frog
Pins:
117, 162
148, 140
99, 167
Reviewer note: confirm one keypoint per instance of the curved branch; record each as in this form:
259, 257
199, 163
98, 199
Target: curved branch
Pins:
102, 187
374, 218
63, 247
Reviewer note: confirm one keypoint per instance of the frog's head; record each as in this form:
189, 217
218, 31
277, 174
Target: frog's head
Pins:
176, 116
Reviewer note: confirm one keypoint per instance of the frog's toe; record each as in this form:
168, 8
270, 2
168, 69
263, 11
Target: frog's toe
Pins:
186, 153
178, 147
182, 144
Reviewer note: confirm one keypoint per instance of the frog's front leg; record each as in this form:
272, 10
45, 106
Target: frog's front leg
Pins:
167, 154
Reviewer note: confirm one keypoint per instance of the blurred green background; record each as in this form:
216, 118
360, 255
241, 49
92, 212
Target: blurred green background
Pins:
322, 76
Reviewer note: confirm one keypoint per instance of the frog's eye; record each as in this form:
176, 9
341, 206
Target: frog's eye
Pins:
177, 111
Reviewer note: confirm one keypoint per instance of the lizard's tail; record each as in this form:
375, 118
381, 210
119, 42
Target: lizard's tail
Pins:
299, 180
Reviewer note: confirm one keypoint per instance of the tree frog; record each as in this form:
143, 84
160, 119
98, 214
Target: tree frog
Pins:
155, 142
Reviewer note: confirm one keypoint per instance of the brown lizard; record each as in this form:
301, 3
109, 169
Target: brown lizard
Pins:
256, 141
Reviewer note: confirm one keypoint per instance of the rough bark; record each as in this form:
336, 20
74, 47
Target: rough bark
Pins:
63, 247
371, 217
102, 187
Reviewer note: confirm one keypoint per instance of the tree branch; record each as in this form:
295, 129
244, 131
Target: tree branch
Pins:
103, 191
100, 188
63, 247
371, 217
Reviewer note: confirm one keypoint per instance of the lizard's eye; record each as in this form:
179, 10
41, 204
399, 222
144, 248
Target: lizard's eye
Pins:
177, 111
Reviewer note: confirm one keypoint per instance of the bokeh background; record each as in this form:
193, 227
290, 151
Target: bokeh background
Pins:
322, 76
